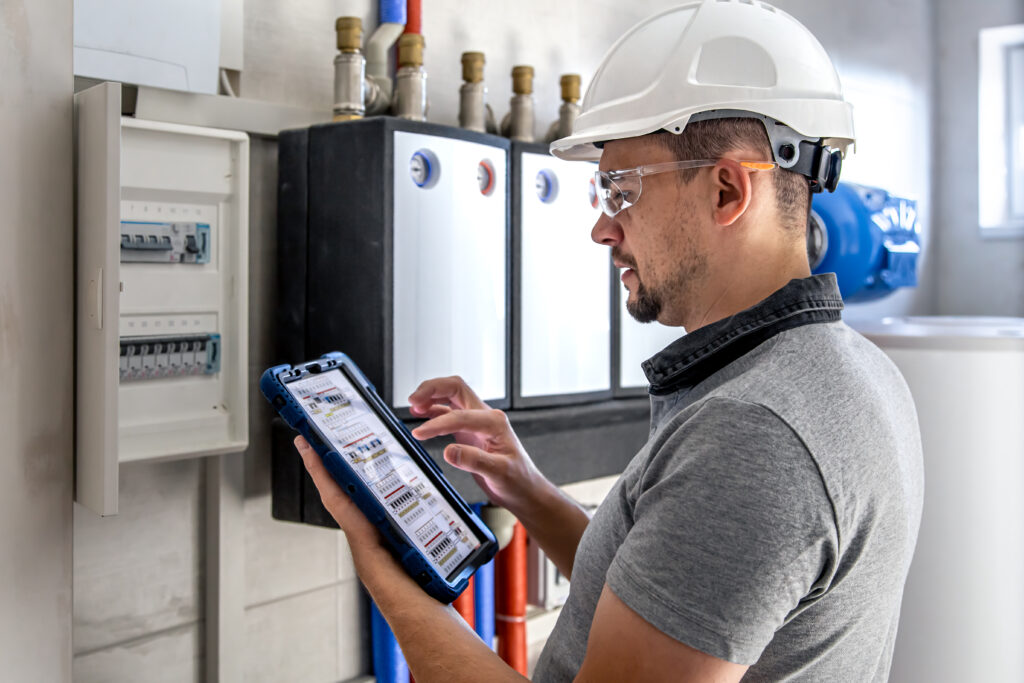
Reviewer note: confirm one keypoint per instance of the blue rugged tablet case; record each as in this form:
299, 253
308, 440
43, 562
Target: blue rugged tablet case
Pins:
415, 564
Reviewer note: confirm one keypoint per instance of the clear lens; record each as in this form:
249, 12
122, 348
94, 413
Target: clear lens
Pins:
608, 195
615, 195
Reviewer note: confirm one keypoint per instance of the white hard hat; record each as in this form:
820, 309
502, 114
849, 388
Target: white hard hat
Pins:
714, 59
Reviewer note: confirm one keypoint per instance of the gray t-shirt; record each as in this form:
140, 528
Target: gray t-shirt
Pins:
771, 517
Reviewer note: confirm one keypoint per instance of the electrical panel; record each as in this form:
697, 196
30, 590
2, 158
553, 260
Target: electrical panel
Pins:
634, 343
393, 246
561, 282
162, 360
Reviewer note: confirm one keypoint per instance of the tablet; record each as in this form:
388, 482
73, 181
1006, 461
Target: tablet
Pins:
430, 529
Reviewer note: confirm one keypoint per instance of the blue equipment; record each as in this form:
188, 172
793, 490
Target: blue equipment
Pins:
389, 665
483, 598
867, 237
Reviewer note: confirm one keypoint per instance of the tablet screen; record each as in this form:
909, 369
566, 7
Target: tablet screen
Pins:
429, 521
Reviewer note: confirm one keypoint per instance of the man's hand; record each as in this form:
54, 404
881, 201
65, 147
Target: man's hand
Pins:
436, 641
485, 444
487, 447
368, 552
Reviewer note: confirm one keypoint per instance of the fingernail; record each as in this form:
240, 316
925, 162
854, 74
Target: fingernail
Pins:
454, 454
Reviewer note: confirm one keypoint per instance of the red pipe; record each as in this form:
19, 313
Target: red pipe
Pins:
413, 17
510, 601
465, 604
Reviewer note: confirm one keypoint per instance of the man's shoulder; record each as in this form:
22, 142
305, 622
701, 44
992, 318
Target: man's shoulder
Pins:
817, 377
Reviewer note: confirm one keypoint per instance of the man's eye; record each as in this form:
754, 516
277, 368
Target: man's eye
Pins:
628, 196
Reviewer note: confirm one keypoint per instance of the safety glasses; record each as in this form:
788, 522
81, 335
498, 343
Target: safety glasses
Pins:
618, 190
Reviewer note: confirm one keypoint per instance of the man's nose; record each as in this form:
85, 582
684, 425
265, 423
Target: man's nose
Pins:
606, 231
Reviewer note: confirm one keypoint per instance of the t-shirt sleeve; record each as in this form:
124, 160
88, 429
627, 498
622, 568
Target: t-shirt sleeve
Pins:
732, 528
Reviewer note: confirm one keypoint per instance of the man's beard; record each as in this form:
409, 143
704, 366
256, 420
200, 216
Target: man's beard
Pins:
644, 305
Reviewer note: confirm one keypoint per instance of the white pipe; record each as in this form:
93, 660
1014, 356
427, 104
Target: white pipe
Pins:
378, 92
383, 38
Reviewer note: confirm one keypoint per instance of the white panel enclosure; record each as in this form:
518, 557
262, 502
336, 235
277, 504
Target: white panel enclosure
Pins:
962, 617
638, 342
150, 42
565, 292
162, 278
450, 258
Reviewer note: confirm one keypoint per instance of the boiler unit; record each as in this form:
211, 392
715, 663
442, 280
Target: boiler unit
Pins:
393, 246
962, 617
561, 307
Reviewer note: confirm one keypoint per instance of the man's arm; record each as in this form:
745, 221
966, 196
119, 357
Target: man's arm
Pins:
624, 647
489, 449
439, 646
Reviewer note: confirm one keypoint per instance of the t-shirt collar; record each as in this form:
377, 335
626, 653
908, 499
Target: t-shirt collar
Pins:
696, 356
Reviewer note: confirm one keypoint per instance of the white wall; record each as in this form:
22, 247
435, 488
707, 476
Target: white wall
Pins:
979, 276
139, 578
883, 52
36, 321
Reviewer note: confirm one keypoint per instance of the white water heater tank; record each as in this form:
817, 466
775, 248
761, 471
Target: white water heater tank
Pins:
963, 609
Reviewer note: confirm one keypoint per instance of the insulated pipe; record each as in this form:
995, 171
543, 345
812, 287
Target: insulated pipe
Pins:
414, 17
483, 596
464, 604
510, 601
484, 603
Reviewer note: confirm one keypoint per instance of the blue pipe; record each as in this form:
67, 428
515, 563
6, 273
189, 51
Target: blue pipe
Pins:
388, 661
483, 598
392, 11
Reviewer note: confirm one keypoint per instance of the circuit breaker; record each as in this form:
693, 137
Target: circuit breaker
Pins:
162, 324
393, 246
561, 283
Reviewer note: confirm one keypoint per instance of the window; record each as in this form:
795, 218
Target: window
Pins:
1001, 131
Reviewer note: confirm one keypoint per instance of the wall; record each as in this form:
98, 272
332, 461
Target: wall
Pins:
881, 48
36, 347
884, 54
139, 577
979, 276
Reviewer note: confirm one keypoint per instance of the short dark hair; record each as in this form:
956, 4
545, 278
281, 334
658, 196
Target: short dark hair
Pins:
712, 138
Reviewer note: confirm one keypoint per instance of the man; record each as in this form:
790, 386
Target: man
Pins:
765, 530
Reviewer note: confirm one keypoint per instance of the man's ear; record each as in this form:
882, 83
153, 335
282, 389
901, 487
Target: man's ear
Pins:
733, 191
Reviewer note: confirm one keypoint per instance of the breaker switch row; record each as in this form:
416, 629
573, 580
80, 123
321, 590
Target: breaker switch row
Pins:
169, 356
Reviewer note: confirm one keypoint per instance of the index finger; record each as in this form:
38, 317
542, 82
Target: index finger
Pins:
487, 422
452, 390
